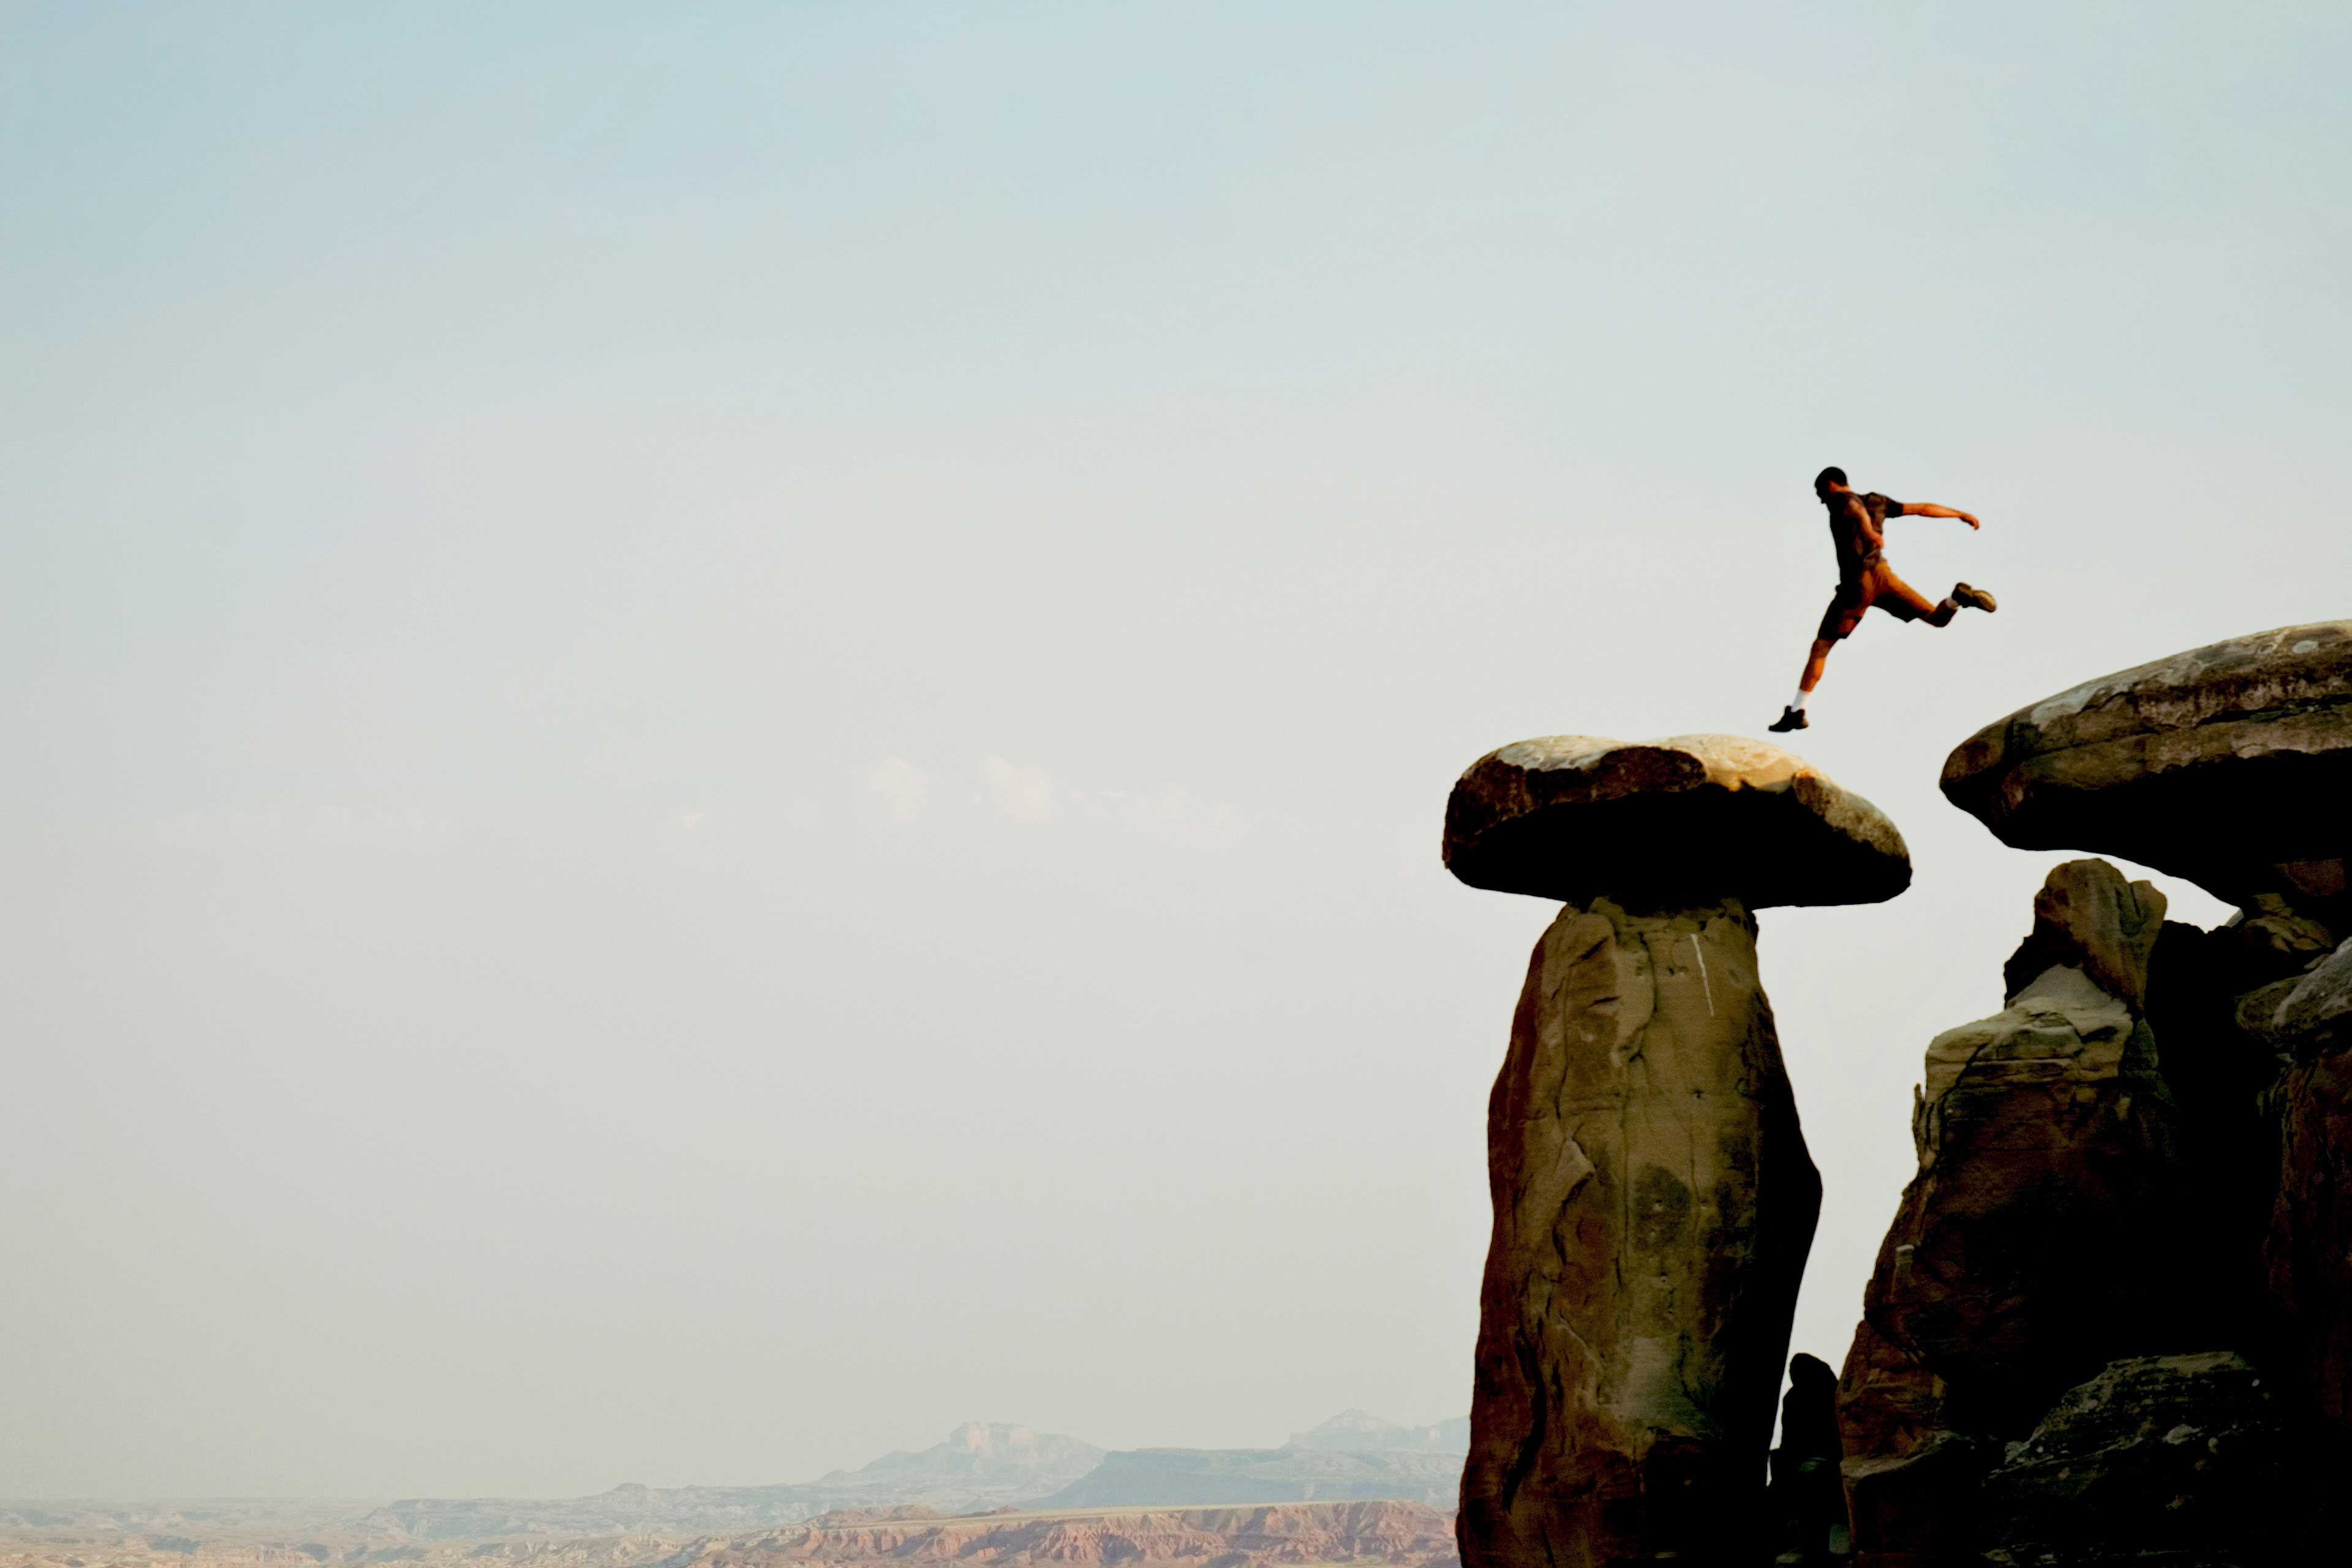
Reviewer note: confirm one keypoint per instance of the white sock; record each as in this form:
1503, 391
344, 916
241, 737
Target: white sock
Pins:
1799, 705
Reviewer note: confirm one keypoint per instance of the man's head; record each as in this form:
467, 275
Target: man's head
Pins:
1828, 482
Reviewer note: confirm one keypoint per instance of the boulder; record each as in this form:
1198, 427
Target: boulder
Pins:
2086, 915
2178, 1459
2228, 764
1688, 819
1653, 1203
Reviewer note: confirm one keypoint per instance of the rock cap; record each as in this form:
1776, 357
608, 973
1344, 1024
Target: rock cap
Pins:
2208, 763
1683, 820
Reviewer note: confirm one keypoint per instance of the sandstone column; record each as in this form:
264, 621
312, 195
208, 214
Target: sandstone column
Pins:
1654, 1201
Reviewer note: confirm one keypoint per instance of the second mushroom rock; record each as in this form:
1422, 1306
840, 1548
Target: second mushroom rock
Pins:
2228, 764
1653, 1199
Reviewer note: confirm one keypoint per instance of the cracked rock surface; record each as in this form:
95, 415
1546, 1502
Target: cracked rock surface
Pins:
1654, 1205
2041, 1238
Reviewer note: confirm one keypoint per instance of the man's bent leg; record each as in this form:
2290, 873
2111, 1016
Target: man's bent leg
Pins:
1904, 602
1847, 607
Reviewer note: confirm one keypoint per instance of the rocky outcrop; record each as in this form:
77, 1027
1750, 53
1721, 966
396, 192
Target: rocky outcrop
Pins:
1653, 1202
2169, 1460
2116, 1293
979, 1465
2038, 1239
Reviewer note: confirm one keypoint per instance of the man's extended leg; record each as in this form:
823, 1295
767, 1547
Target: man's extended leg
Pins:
1847, 607
1793, 716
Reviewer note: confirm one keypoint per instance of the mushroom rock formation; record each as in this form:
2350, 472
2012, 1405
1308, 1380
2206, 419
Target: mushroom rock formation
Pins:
2229, 765
2039, 1239
1654, 1200
2307, 1251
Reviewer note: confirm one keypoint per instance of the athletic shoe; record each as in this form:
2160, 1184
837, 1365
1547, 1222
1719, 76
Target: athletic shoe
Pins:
1974, 598
1790, 719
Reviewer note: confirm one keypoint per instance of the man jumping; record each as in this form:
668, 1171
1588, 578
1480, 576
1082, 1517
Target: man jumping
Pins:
1857, 526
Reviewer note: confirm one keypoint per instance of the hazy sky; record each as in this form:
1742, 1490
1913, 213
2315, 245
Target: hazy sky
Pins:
728, 725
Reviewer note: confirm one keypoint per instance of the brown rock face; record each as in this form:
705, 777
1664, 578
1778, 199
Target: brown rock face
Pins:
1911, 1482
1654, 1205
2024, 1249
2038, 1240
2227, 765
2088, 916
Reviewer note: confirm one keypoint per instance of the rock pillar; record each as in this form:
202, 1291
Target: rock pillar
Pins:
1653, 1206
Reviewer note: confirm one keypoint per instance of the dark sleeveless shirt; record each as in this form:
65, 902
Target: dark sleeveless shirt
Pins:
1849, 512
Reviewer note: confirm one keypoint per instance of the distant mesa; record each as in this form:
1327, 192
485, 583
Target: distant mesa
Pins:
1359, 1432
1355, 1457
1180, 1476
983, 1450
1280, 1535
980, 1471
980, 1465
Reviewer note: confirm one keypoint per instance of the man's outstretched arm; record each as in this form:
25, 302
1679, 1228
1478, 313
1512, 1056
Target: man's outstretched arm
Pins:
1930, 509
